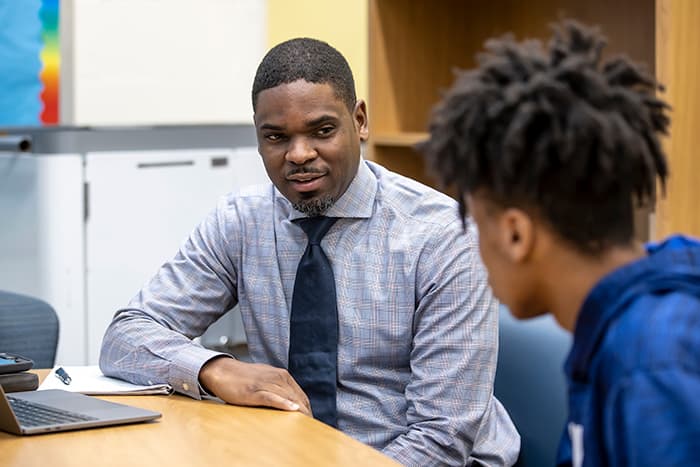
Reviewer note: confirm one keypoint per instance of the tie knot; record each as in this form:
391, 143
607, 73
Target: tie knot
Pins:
316, 227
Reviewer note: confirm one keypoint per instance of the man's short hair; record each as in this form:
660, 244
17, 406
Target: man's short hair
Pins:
308, 59
555, 133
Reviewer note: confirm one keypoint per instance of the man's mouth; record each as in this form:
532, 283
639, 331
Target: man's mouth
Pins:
304, 182
304, 177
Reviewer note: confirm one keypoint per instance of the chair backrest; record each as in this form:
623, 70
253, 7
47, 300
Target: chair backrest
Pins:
530, 383
28, 327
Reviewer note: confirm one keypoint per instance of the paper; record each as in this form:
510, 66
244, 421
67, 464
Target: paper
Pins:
90, 380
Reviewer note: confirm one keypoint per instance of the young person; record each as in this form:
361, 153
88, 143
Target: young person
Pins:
552, 151
384, 327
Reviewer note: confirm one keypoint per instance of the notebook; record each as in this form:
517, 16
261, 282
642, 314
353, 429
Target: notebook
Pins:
90, 380
35, 412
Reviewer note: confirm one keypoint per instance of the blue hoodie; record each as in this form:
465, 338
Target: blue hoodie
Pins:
634, 368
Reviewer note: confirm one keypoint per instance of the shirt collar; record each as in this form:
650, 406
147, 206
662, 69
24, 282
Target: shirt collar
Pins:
356, 202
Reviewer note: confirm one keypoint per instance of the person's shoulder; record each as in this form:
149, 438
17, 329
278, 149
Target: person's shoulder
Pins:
414, 201
656, 332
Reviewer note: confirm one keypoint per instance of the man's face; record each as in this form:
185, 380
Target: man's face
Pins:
309, 142
505, 244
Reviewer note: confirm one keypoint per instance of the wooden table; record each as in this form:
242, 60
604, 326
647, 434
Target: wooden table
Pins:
200, 433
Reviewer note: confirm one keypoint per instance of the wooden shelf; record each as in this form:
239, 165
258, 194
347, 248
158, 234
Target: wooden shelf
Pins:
398, 139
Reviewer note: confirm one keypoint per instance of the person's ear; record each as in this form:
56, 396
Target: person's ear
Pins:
518, 234
359, 115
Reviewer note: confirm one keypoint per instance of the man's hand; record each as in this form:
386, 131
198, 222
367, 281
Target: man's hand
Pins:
241, 383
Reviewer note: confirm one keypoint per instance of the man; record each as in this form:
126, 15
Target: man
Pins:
552, 151
385, 322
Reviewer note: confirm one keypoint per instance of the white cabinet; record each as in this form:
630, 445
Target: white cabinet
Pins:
142, 206
42, 238
86, 231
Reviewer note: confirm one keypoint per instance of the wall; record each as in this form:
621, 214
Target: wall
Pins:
343, 24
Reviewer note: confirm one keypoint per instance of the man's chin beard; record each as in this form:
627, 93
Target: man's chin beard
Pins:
314, 207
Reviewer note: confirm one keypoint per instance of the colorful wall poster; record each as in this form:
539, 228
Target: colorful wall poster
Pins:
29, 62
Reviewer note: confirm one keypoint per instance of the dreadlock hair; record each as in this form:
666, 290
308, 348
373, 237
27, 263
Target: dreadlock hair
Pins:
308, 59
555, 133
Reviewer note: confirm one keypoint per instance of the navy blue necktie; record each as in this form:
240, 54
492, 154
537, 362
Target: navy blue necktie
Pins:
313, 328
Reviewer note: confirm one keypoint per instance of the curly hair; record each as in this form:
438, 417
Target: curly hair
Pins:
308, 59
555, 133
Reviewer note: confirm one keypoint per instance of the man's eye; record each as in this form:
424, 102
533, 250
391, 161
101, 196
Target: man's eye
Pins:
325, 131
273, 137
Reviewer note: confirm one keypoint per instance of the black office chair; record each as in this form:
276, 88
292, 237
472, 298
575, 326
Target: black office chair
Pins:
530, 383
28, 327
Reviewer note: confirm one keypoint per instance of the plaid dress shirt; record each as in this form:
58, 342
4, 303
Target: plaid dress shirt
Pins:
418, 326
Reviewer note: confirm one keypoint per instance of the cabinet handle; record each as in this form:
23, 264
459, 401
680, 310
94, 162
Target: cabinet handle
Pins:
151, 165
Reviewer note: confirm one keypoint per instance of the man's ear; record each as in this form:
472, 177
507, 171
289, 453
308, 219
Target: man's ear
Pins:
359, 115
518, 234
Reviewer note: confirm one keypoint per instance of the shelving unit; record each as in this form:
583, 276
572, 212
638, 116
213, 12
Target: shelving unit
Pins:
415, 45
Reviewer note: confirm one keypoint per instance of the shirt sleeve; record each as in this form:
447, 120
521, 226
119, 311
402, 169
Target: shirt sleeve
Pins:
653, 418
453, 362
150, 341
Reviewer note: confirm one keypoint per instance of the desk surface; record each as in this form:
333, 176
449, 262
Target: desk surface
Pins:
204, 433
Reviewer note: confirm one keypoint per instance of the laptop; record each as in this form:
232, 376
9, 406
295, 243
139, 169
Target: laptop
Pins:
47, 411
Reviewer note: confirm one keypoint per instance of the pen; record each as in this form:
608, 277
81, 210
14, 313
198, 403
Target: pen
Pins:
62, 375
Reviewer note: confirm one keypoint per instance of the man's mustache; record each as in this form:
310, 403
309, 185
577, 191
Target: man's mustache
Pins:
304, 170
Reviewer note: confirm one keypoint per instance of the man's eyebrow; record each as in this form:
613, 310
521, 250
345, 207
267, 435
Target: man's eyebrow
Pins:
321, 120
326, 118
270, 126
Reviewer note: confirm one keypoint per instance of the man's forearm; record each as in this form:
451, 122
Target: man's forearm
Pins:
419, 448
140, 350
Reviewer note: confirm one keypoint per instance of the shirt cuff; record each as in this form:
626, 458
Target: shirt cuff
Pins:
184, 370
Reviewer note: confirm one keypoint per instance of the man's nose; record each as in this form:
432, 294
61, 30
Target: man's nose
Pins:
300, 151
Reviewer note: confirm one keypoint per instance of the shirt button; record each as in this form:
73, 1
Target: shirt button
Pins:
185, 386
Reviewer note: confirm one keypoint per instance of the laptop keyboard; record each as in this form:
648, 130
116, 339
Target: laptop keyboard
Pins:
32, 414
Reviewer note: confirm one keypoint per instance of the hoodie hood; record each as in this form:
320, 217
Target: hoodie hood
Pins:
672, 265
